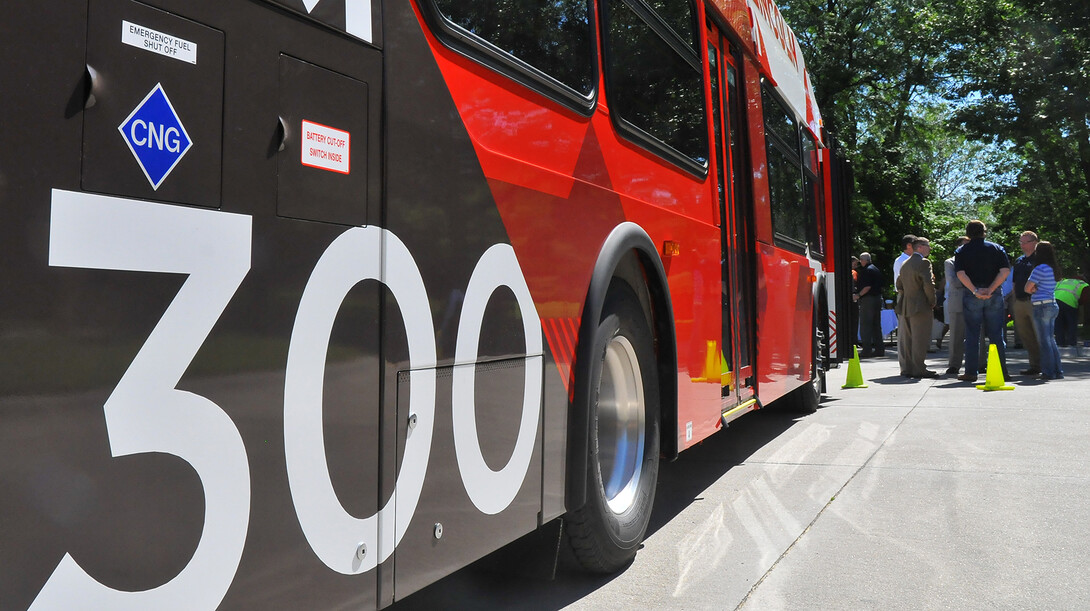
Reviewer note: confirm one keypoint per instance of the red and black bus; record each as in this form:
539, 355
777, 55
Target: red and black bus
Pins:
309, 303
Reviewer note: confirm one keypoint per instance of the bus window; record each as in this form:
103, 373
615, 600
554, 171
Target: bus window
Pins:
679, 16
815, 195
551, 43
653, 79
789, 216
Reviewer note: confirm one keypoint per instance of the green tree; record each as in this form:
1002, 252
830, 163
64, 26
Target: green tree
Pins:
873, 62
1020, 70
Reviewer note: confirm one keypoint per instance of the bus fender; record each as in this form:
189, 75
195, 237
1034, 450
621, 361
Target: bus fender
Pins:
626, 239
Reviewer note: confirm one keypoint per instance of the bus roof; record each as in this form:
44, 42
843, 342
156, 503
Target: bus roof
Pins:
779, 54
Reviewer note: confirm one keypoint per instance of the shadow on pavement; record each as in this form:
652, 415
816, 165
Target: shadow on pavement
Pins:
521, 575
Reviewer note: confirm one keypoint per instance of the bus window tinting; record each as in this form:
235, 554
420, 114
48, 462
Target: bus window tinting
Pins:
785, 188
554, 37
813, 190
652, 86
779, 122
677, 14
790, 217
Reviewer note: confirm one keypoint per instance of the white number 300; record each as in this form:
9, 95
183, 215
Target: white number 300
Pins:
147, 413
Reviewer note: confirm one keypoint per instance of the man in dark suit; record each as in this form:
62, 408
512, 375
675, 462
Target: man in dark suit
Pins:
915, 305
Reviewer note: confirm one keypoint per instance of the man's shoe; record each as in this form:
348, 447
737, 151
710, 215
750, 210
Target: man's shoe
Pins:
927, 373
1030, 372
965, 377
951, 372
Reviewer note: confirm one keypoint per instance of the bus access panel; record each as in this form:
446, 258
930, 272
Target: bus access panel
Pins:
249, 286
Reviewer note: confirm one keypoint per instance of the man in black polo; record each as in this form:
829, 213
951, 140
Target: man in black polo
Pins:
982, 266
870, 308
1021, 308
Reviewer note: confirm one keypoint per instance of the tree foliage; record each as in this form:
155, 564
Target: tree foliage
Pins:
957, 109
873, 61
1021, 69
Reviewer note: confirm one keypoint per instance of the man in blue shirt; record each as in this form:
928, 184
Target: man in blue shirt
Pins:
982, 266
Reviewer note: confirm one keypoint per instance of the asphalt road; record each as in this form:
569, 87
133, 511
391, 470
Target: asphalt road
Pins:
903, 495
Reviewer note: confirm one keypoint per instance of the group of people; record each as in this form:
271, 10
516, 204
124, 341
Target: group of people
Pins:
974, 304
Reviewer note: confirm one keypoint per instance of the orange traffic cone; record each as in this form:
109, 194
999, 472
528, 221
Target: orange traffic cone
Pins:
994, 378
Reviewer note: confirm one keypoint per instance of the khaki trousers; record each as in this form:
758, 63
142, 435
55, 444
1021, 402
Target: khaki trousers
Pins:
1023, 325
917, 339
902, 345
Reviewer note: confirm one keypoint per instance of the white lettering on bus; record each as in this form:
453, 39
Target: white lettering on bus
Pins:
147, 413
156, 136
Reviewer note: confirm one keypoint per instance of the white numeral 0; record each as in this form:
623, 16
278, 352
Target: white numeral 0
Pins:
492, 491
334, 534
146, 413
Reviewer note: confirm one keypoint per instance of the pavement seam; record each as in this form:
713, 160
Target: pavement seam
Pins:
920, 469
821, 512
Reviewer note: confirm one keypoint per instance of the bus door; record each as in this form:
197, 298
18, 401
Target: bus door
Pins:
735, 220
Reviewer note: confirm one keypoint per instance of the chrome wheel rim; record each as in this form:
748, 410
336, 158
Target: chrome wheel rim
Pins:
621, 425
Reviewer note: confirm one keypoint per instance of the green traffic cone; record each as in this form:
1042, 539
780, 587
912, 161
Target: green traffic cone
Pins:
855, 374
994, 378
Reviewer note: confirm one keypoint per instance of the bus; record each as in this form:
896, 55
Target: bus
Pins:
310, 303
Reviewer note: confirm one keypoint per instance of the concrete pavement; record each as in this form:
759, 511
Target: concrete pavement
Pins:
907, 494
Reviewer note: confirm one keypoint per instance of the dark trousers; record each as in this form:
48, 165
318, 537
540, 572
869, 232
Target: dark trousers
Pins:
1067, 325
870, 324
985, 315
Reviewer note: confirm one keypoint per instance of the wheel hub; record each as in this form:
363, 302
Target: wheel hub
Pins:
621, 424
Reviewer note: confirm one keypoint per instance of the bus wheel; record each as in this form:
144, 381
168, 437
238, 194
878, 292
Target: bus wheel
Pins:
623, 460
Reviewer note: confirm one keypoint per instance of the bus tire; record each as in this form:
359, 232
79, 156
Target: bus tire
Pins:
623, 448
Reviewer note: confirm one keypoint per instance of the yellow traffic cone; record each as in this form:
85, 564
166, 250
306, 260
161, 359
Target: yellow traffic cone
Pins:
855, 374
711, 373
726, 377
994, 379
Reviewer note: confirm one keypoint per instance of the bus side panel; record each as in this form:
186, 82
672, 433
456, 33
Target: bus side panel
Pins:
71, 332
694, 279
784, 322
784, 289
562, 182
440, 204
39, 142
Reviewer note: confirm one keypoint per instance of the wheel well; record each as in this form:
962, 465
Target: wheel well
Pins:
628, 255
653, 293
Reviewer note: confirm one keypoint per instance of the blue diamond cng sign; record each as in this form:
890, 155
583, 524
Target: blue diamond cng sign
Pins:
155, 136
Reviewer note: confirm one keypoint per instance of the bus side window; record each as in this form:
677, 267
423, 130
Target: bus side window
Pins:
789, 211
654, 82
549, 47
814, 191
